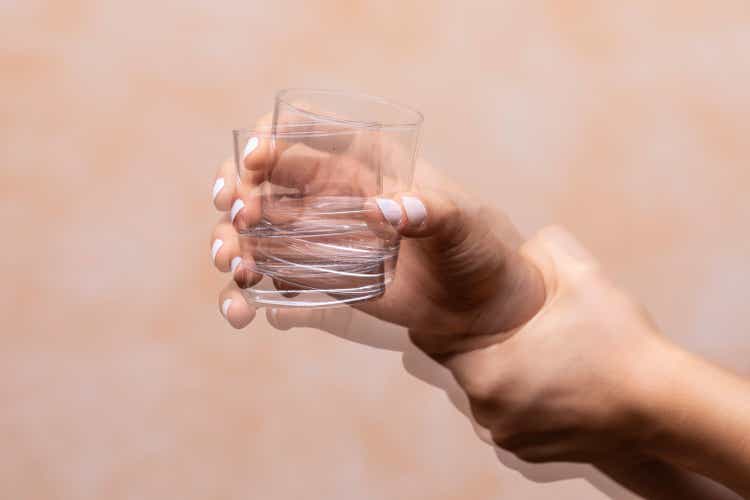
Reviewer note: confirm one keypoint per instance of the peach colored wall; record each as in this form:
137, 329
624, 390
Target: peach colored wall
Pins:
627, 121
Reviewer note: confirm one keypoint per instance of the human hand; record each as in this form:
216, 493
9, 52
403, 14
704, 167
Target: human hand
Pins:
573, 383
555, 386
458, 265
557, 363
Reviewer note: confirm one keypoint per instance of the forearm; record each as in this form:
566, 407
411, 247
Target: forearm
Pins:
657, 480
701, 418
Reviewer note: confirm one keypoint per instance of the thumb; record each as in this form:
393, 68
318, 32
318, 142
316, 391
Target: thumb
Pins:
475, 252
423, 214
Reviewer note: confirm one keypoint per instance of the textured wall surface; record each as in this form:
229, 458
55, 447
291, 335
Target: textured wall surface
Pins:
627, 121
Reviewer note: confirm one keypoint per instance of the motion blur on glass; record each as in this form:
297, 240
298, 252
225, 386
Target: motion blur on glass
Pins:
308, 182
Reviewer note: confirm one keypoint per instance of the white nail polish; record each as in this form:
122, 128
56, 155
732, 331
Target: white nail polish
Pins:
225, 307
218, 186
415, 210
215, 249
391, 210
236, 207
252, 145
235, 262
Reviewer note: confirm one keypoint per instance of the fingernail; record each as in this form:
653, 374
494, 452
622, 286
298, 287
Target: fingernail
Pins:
218, 186
391, 210
236, 207
252, 145
225, 307
235, 262
274, 313
415, 210
215, 249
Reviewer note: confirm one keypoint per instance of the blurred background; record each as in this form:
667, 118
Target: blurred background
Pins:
629, 122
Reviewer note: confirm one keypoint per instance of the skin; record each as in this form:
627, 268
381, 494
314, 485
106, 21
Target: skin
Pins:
557, 363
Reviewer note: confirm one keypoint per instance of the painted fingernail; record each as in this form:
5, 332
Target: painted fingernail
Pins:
274, 313
415, 210
236, 207
391, 210
252, 145
215, 248
218, 186
225, 307
235, 262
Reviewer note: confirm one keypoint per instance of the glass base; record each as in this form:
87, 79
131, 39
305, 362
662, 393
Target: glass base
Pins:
266, 294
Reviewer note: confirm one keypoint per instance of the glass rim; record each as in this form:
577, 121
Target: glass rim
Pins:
286, 131
408, 124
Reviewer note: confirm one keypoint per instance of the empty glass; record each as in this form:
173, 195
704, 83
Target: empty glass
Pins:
310, 225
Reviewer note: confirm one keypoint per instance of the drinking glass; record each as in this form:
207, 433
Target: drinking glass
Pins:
311, 175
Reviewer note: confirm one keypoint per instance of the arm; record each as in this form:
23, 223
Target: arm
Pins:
657, 480
701, 416
590, 379
558, 364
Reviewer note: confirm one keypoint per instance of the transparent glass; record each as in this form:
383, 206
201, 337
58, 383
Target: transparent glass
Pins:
310, 226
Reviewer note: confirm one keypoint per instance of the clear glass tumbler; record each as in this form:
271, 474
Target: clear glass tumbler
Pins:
311, 228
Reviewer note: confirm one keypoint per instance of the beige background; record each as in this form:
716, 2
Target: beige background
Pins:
627, 121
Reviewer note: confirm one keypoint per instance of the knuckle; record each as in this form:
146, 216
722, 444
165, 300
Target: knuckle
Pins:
480, 388
252, 278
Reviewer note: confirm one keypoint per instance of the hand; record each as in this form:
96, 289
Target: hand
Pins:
458, 270
558, 364
466, 292
573, 383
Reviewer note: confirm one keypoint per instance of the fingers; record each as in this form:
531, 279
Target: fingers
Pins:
257, 152
254, 153
232, 253
222, 191
246, 209
313, 171
243, 267
224, 245
286, 288
234, 307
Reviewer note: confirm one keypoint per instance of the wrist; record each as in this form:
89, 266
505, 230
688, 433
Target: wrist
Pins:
662, 401
653, 368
